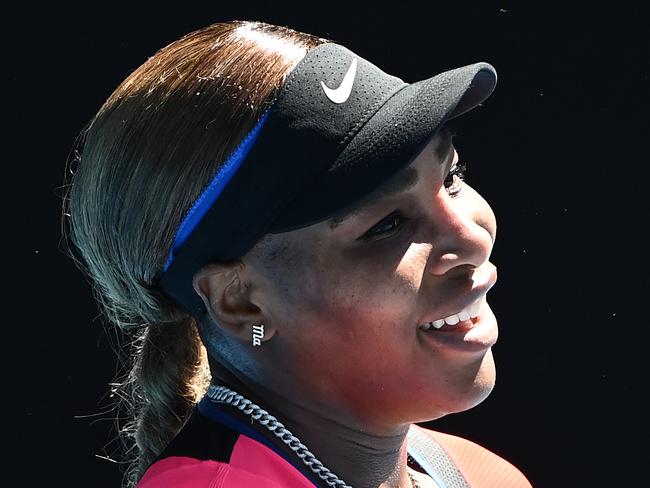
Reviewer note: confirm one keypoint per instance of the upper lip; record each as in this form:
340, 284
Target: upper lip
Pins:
465, 300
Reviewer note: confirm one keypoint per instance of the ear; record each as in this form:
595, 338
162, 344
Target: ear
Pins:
226, 296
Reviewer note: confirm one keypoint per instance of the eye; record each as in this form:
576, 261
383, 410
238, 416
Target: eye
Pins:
389, 225
395, 221
459, 170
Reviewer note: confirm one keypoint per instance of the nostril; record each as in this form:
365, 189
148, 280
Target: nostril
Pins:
451, 266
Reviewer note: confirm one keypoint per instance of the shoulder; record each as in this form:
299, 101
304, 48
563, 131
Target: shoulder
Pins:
480, 466
187, 472
182, 471
209, 454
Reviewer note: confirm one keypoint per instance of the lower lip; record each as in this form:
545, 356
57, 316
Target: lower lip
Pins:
473, 335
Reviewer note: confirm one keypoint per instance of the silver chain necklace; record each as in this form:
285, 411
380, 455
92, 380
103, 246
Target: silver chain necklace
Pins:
222, 394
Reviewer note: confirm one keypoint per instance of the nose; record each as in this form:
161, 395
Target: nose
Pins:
459, 239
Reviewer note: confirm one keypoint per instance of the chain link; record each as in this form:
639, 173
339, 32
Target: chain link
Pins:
222, 394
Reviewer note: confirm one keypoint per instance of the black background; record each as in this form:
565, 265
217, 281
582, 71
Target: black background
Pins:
559, 152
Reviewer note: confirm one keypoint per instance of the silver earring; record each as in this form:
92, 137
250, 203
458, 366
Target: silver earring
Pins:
258, 334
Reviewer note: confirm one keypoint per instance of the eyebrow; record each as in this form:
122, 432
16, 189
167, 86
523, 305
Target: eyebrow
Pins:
399, 183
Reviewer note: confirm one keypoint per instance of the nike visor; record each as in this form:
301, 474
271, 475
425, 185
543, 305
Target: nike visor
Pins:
338, 128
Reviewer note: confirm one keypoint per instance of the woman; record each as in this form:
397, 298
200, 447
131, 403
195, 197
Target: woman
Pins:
284, 229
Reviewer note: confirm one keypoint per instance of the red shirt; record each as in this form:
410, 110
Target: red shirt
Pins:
216, 450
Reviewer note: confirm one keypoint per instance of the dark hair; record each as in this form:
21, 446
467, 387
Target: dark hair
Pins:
142, 160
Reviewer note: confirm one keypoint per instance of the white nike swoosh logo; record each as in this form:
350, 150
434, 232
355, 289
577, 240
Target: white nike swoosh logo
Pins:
341, 94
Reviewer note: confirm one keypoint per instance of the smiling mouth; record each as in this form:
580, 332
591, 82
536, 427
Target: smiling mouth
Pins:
468, 314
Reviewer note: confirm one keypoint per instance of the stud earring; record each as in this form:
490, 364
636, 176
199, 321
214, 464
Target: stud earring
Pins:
258, 334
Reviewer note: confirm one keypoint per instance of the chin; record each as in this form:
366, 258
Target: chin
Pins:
472, 384
468, 386
481, 385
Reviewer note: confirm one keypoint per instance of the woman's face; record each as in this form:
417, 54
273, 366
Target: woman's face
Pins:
345, 302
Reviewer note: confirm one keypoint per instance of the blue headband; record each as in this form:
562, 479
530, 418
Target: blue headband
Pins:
211, 192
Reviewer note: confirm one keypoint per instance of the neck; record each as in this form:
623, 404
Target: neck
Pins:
359, 457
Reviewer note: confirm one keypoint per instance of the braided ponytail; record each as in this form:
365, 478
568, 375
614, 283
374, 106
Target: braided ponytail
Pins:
170, 373
143, 159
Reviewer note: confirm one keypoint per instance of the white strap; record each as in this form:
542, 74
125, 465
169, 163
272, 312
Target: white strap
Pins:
433, 458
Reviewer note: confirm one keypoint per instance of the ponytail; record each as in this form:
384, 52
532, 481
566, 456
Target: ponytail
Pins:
169, 374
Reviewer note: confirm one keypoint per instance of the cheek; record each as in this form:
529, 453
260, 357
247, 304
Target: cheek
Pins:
367, 286
412, 266
359, 307
362, 312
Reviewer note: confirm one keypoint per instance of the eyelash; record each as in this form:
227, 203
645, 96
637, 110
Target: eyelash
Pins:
459, 170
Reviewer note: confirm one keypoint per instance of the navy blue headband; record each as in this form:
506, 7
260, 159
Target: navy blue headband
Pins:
337, 130
211, 192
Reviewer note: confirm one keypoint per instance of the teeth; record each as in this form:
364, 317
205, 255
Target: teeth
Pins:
471, 311
452, 319
438, 323
435, 325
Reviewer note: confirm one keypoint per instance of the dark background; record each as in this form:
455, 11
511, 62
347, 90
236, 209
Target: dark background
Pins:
558, 151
